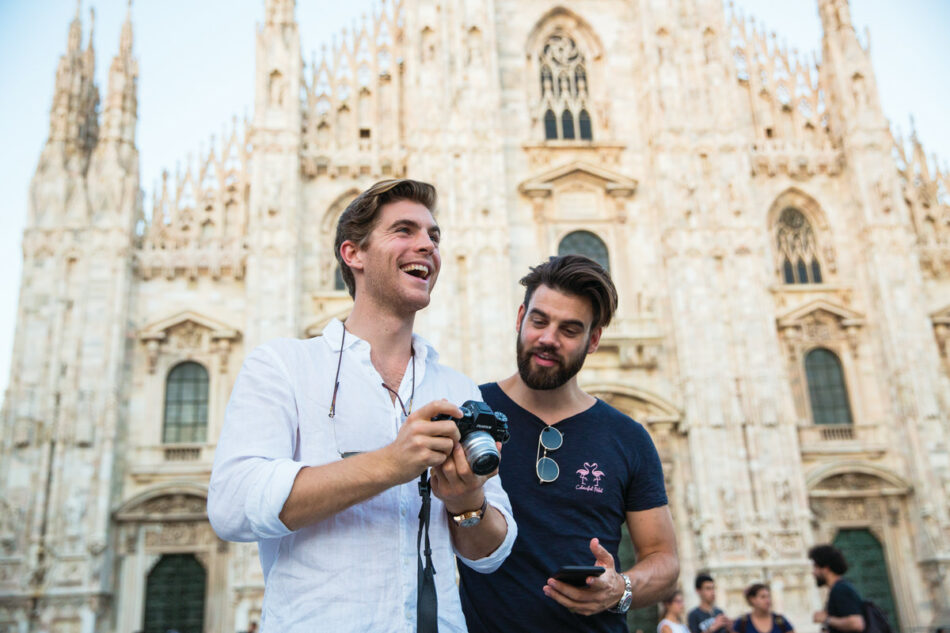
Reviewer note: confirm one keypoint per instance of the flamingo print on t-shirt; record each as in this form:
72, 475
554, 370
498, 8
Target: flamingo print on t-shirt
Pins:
590, 477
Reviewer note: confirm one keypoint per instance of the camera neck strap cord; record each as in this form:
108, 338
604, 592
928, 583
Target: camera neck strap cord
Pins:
427, 603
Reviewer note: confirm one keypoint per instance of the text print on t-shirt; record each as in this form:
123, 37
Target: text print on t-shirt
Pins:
590, 477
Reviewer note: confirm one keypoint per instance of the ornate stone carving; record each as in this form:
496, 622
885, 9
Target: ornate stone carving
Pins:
179, 534
185, 335
188, 336
850, 482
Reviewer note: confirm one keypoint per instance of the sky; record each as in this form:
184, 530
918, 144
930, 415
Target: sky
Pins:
196, 72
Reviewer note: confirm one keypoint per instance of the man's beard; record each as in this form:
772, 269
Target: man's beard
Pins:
820, 581
546, 378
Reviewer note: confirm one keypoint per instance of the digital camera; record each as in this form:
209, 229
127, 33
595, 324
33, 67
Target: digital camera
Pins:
480, 428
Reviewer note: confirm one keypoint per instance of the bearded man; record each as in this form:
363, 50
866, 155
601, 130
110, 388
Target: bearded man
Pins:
575, 469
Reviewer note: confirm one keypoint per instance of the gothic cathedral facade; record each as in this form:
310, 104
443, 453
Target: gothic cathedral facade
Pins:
783, 265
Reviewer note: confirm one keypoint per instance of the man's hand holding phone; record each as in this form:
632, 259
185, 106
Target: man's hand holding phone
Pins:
598, 593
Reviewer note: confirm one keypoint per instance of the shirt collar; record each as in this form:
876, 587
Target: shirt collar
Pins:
333, 334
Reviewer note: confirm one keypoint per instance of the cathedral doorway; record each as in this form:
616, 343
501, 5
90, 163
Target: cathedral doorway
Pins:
862, 510
867, 569
175, 595
172, 568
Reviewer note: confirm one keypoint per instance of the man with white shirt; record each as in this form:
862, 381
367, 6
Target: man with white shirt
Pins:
324, 441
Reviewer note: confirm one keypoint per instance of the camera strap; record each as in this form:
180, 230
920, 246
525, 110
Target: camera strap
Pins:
427, 603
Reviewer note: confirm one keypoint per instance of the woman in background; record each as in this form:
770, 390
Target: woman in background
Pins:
673, 610
761, 619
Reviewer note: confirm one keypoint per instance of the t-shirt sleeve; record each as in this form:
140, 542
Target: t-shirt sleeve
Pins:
844, 600
693, 620
785, 625
646, 489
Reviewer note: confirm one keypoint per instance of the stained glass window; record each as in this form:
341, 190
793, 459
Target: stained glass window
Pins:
564, 90
797, 248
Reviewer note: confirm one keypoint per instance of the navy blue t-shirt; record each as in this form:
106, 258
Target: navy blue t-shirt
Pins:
843, 600
608, 467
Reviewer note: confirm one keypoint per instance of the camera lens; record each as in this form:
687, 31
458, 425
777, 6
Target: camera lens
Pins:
481, 453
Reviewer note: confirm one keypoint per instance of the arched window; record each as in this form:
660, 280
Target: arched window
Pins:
186, 404
797, 248
826, 388
587, 244
564, 89
550, 125
175, 595
567, 125
584, 120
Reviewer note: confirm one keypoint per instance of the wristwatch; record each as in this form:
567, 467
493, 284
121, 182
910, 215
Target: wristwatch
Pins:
624, 605
472, 517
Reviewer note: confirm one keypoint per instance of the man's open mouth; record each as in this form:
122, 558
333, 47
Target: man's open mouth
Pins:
547, 358
416, 270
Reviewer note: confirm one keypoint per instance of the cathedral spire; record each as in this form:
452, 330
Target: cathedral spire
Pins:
280, 12
121, 108
73, 117
74, 40
125, 40
848, 66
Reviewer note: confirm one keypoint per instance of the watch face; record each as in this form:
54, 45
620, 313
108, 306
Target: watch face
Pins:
470, 521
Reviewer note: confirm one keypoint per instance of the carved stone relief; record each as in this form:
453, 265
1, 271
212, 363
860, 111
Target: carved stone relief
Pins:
189, 335
179, 534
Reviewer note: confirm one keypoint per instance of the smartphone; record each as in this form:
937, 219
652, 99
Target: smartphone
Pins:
577, 575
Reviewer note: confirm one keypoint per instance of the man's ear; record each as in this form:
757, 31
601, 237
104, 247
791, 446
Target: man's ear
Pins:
351, 255
520, 319
594, 339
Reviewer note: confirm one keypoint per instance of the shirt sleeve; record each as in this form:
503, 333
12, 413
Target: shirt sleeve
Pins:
646, 489
498, 498
843, 600
785, 625
693, 621
253, 468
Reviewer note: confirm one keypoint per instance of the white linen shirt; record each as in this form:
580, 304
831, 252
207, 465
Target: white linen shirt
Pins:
354, 571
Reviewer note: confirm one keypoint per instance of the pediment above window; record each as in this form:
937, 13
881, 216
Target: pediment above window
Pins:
579, 191
316, 327
613, 183
187, 333
175, 502
187, 321
941, 317
821, 311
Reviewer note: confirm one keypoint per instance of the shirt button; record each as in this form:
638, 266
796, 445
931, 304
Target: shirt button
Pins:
403, 512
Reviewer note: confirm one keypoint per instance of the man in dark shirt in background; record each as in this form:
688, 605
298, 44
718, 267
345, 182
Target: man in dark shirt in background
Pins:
707, 617
844, 612
575, 469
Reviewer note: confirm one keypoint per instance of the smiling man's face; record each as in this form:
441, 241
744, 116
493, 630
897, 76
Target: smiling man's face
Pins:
400, 262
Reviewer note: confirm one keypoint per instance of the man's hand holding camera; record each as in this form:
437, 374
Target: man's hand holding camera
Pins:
430, 438
456, 485
423, 442
600, 594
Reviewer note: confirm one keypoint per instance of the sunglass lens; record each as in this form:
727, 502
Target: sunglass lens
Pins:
551, 438
547, 469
